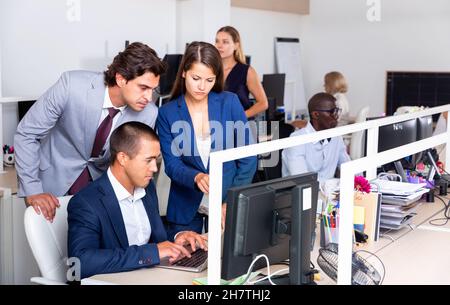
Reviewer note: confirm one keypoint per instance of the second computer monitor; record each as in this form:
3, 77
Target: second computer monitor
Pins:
394, 135
274, 86
168, 78
424, 127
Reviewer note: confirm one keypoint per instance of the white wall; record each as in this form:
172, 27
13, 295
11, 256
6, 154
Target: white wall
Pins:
258, 30
412, 35
39, 42
199, 20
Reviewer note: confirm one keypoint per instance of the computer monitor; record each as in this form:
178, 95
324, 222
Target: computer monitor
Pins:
248, 59
275, 218
424, 127
273, 85
167, 79
23, 108
394, 135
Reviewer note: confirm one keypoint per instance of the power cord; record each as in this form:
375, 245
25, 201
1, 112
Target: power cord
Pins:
269, 274
444, 220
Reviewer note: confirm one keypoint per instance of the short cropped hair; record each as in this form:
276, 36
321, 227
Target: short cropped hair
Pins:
317, 101
136, 60
127, 138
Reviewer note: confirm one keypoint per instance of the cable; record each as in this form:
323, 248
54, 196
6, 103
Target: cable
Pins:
446, 217
269, 275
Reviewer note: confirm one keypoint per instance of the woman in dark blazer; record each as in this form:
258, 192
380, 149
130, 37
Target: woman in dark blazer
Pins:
199, 119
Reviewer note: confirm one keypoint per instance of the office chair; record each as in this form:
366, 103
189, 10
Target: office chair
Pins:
48, 242
357, 138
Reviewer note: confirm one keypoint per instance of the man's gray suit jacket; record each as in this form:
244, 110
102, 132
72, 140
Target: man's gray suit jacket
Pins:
54, 140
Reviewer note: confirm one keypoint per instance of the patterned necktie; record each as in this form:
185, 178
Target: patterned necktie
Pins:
100, 139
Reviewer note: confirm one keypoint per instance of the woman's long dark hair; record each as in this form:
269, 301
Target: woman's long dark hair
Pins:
199, 52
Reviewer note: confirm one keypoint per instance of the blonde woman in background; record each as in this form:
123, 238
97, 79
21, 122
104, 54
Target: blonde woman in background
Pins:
336, 85
240, 78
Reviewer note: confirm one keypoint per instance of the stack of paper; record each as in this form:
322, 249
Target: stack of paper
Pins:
395, 223
399, 200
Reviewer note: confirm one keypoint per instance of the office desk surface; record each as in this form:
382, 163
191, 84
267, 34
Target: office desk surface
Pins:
160, 276
421, 257
412, 255
147, 276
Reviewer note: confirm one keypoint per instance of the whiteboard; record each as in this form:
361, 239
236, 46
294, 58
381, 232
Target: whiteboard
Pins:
287, 59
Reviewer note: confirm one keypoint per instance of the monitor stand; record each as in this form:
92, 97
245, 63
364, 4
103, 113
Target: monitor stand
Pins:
399, 169
445, 178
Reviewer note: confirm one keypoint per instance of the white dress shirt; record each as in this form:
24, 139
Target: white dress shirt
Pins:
321, 157
135, 218
204, 149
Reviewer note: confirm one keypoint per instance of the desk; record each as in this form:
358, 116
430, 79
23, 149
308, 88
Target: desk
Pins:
146, 276
161, 276
420, 257
412, 255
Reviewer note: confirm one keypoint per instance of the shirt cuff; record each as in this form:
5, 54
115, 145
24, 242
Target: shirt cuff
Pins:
175, 237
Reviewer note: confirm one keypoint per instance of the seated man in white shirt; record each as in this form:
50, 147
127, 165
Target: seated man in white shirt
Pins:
114, 223
322, 157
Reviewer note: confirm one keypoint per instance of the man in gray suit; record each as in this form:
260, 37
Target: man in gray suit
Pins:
62, 142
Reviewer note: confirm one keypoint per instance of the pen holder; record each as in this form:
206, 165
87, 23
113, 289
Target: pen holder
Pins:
8, 159
328, 234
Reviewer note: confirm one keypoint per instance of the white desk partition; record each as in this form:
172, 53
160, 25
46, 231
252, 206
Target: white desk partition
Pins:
8, 100
348, 170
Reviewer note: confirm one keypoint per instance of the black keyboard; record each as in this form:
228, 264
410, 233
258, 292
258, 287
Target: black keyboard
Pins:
197, 258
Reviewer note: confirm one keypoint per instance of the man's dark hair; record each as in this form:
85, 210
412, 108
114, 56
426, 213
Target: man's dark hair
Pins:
318, 100
127, 138
136, 60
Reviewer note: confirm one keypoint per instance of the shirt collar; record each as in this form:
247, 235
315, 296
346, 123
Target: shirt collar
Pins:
121, 192
310, 129
107, 103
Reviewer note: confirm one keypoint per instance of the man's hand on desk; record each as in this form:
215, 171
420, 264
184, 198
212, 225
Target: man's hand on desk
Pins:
172, 250
45, 203
193, 239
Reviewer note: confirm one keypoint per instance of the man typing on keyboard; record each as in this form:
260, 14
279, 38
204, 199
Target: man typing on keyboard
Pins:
114, 223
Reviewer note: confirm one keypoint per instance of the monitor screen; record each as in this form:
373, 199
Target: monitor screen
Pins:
424, 127
23, 108
168, 78
275, 218
248, 59
274, 87
394, 135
